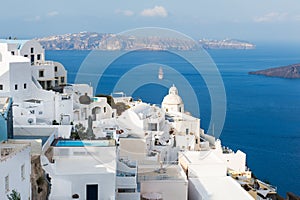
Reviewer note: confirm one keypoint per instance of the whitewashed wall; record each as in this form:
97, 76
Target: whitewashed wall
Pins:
12, 167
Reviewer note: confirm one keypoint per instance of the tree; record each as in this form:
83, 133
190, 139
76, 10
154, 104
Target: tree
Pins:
14, 195
82, 133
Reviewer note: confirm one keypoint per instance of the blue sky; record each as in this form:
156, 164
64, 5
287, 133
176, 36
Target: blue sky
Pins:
255, 20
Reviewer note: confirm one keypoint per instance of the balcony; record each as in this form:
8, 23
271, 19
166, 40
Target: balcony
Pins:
128, 196
126, 181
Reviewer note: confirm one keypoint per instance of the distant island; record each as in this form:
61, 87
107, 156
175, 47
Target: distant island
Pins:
226, 44
290, 71
112, 42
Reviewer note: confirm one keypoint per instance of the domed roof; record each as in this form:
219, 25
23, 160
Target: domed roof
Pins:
172, 98
85, 99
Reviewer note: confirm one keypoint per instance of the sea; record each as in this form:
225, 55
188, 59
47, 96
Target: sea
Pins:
262, 115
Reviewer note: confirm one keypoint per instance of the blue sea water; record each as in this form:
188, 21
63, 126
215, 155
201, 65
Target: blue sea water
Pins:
263, 113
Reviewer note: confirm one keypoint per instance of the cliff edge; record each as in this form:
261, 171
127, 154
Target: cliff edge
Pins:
290, 71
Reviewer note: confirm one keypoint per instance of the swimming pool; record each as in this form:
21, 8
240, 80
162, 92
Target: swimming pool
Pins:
80, 143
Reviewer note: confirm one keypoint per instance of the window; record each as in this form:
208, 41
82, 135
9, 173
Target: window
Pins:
62, 79
32, 59
1, 87
55, 68
31, 50
6, 183
126, 190
104, 109
187, 131
38, 57
152, 127
26, 56
25, 85
12, 53
41, 73
23, 172
16, 86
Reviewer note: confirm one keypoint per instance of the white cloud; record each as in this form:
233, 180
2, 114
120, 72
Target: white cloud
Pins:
159, 11
125, 12
52, 13
272, 17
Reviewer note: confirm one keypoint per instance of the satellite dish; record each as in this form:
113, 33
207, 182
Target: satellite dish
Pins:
30, 120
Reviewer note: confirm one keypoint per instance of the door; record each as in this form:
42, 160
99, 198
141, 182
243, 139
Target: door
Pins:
92, 192
32, 59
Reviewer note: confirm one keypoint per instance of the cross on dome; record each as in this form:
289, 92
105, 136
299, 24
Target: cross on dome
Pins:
173, 90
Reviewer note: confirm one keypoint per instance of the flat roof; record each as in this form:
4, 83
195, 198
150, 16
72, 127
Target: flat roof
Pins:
201, 157
155, 172
81, 165
20, 43
216, 188
8, 149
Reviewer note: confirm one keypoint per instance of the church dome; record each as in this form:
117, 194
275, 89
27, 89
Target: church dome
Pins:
172, 98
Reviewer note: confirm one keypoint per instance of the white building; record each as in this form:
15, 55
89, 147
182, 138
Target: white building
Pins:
234, 161
126, 180
142, 118
15, 165
32, 104
185, 127
97, 108
149, 131
158, 177
166, 182
88, 172
207, 176
48, 73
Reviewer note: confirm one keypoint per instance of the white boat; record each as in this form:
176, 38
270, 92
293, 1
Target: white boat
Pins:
160, 73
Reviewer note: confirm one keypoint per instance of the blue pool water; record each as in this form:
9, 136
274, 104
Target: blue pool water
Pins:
263, 113
75, 143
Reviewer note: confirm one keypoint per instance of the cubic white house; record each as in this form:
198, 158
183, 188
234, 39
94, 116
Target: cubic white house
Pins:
23, 75
15, 165
47, 73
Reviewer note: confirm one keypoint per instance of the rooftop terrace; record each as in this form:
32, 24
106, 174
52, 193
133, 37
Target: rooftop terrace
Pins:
167, 172
8, 149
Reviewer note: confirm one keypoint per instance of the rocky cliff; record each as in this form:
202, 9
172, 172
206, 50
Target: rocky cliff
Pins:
290, 71
108, 41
